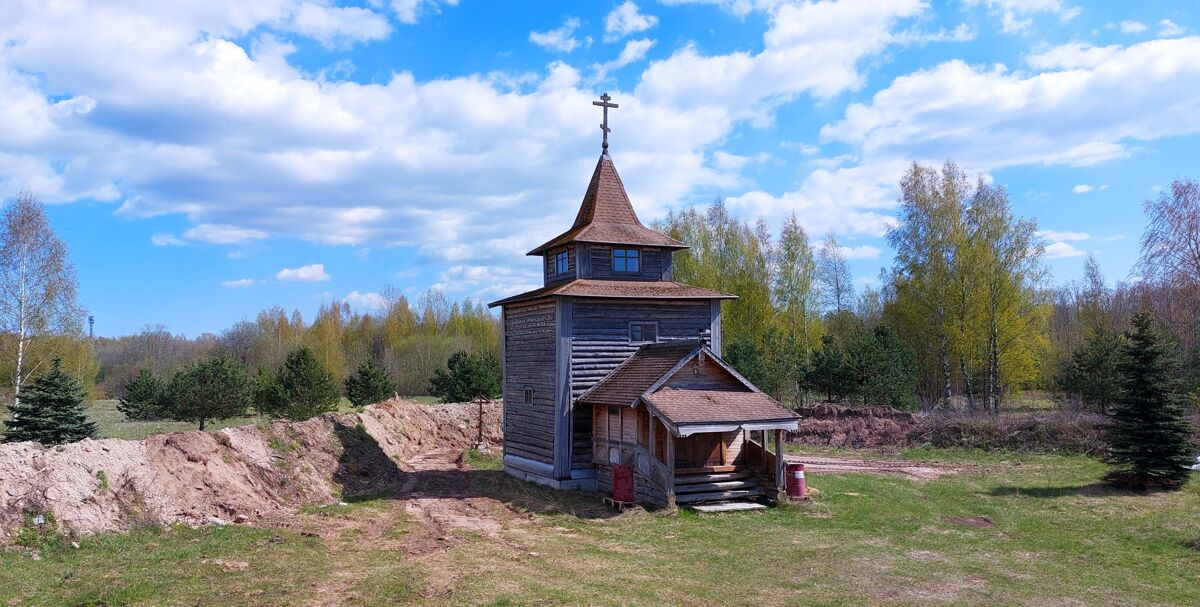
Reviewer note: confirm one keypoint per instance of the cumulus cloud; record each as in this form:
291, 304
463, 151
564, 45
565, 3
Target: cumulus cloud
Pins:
1169, 29
332, 26
624, 20
240, 283
561, 39
1062, 250
365, 301
1132, 27
634, 51
310, 273
1017, 15
1063, 236
860, 252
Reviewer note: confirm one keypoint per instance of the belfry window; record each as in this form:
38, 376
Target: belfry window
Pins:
625, 260
560, 262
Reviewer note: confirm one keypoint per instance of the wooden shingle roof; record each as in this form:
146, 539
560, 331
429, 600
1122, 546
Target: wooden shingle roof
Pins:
682, 407
587, 287
628, 382
606, 216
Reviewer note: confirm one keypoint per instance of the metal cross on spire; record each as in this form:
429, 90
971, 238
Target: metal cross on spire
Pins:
604, 103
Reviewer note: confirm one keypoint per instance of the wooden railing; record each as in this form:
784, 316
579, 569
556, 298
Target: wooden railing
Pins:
637, 457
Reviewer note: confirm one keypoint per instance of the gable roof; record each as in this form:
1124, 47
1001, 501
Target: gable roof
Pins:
645, 289
640, 372
643, 378
607, 216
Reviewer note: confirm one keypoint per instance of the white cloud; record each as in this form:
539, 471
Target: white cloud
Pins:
1073, 55
238, 284
1063, 236
989, 118
409, 11
222, 234
741, 8
861, 252
168, 240
561, 39
625, 20
634, 51
365, 301
1169, 29
334, 25
1084, 188
1017, 15
310, 273
1062, 250
1132, 27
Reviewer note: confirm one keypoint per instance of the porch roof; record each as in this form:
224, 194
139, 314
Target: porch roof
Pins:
691, 411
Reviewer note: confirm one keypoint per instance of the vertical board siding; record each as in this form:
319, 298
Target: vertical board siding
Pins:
600, 342
705, 376
529, 360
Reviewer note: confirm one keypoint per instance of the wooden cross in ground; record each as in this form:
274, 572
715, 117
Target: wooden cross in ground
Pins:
604, 103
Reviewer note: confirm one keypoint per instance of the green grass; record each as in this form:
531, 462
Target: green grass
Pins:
1059, 539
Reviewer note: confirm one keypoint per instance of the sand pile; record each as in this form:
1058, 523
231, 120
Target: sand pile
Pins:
230, 476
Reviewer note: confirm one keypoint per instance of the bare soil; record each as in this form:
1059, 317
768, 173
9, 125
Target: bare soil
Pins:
235, 475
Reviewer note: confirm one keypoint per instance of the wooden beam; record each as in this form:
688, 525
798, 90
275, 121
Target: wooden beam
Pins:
653, 438
562, 412
670, 470
779, 471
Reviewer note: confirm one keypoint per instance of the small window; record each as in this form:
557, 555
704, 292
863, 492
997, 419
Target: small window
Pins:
625, 260
560, 263
643, 332
529, 395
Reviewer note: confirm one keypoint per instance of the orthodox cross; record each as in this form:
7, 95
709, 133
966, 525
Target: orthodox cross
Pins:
604, 103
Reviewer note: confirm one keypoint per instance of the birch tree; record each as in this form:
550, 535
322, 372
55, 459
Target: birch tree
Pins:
37, 284
794, 289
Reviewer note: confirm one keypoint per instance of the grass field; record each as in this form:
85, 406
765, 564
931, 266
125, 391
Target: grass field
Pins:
112, 424
1059, 538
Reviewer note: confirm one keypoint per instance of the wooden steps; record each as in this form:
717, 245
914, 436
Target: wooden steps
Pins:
716, 487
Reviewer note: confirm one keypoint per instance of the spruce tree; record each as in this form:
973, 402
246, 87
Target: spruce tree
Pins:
831, 373
303, 388
466, 377
143, 398
50, 411
1148, 440
369, 384
217, 387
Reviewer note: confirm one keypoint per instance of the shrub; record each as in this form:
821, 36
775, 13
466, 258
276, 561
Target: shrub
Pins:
143, 398
466, 377
369, 384
1056, 433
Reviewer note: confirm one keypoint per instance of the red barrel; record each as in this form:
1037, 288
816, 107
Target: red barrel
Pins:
622, 484
796, 486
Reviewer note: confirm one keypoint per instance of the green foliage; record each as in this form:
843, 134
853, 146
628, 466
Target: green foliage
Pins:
467, 376
50, 411
302, 388
369, 384
144, 398
216, 387
883, 369
832, 374
1094, 372
1148, 443
747, 358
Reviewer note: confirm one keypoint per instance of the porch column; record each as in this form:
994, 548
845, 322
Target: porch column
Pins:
653, 439
670, 469
779, 469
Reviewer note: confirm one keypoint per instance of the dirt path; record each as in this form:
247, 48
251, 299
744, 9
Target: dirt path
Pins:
435, 506
914, 469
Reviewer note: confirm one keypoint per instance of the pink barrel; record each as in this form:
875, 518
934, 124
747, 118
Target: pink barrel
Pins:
796, 486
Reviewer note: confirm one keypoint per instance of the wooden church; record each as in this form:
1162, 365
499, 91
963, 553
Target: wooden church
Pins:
613, 364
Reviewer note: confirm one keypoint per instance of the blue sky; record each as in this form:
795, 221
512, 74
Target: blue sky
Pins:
205, 159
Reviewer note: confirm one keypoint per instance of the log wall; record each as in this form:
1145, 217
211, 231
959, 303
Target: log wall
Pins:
529, 360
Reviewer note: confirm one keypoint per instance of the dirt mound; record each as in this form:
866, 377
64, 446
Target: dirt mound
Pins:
232, 475
838, 426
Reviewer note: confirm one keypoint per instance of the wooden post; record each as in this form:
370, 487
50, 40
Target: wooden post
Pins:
670, 469
779, 473
653, 438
